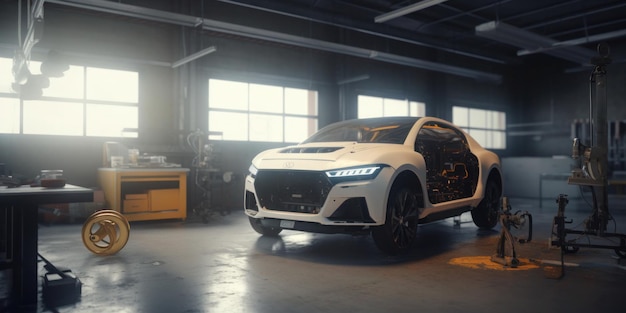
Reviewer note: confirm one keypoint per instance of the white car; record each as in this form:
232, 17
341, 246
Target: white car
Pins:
382, 176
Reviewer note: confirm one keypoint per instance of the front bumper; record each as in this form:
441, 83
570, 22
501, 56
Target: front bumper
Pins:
305, 197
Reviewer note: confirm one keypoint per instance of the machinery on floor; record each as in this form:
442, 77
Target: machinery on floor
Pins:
505, 251
206, 175
593, 173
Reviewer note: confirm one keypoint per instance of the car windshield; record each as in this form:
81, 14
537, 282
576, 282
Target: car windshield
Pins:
370, 130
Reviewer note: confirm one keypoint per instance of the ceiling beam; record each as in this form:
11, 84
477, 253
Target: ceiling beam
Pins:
277, 7
407, 10
521, 38
272, 36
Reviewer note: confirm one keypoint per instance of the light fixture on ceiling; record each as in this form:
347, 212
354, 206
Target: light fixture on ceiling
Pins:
194, 56
530, 41
406, 10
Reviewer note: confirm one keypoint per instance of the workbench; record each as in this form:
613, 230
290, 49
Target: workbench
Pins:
142, 194
19, 207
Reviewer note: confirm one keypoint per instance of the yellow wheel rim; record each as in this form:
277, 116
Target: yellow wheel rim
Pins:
105, 232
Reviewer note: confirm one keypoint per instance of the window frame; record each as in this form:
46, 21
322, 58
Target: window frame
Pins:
493, 130
82, 103
386, 103
282, 115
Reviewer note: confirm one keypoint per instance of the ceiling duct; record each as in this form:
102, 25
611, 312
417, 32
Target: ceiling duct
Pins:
529, 41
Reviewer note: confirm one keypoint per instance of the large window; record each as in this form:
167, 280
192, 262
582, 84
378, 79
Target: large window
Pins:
486, 126
254, 112
85, 101
380, 107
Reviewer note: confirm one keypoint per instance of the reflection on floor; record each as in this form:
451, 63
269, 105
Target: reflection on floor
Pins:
224, 266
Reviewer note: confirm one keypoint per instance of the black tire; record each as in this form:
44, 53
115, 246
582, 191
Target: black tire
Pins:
398, 233
263, 230
486, 214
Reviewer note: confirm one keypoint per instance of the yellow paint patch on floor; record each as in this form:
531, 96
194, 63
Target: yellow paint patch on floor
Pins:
484, 262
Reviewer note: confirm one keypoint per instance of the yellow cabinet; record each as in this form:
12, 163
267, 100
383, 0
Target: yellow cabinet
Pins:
145, 193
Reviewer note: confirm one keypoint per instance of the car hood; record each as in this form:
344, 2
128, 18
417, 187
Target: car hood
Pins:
322, 156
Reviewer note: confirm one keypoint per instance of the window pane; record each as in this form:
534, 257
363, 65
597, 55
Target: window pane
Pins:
393, 107
460, 116
300, 101
6, 75
68, 86
112, 85
264, 98
500, 121
498, 140
369, 107
477, 118
110, 120
265, 127
298, 129
53, 118
480, 136
256, 112
234, 126
417, 108
9, 115
486, 126
228, 95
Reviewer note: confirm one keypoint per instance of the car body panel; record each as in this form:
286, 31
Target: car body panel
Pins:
281, 167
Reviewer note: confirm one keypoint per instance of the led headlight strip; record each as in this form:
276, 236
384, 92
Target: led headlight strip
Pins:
361, 172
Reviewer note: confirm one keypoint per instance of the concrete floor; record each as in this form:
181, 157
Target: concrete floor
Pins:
224, 266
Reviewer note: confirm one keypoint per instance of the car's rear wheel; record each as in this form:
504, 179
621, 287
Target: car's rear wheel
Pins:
263, 230
400, 229
486, 214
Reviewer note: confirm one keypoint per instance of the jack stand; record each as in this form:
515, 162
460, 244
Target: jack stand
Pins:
508, 220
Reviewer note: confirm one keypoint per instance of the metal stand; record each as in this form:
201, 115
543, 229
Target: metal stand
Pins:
206, 176
508, 220
592, 172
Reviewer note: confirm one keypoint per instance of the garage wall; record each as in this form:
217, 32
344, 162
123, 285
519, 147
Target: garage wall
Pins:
549, 98
172, 101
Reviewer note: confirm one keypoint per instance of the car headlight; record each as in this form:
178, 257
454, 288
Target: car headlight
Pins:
365, 172
253, 170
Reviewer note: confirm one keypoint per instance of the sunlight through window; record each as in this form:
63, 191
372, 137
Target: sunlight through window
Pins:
381, 107
486, 126
64, 109
256, 112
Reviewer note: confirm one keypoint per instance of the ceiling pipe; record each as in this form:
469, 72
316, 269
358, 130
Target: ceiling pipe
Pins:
250, 32
579, 41
361, 29
407, 10
527, 40
194, 56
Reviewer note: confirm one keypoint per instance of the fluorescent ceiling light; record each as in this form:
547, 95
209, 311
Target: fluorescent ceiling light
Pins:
194, 56
529, 41
406, 10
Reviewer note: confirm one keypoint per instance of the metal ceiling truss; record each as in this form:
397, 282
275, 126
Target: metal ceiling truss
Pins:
272, 36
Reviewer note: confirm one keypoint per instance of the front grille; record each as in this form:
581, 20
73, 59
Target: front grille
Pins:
292, 191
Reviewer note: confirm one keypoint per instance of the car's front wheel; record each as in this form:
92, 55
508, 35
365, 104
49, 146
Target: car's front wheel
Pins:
486, 214
263, 230
400, 229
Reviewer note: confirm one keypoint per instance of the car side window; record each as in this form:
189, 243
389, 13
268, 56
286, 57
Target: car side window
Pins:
451, 168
